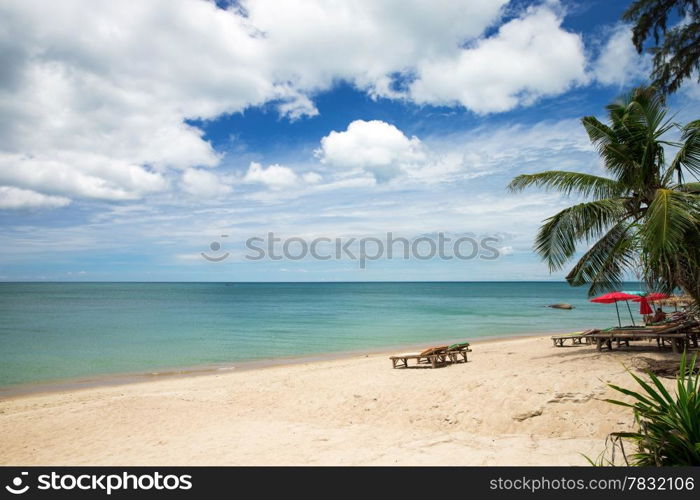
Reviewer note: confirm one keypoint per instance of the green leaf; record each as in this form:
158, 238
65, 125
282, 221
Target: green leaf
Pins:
556, 241
586, 185
669, 217
604, 264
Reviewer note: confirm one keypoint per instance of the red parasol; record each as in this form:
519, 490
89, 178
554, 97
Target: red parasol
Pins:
651, 297
614, 297
611, 297
644, 307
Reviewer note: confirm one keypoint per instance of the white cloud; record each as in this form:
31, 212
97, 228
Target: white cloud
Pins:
274, 176
95, 100
618, 62
354, 182
76, 173
296, 106
388, 154
506, 250
385, 152
542, 146
312, 178
691, 87
314, 43
203, 184
345, 203
374, 145
528, 58
14, 198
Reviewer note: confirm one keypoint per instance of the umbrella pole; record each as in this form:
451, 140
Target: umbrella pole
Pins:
630, 310
617, 310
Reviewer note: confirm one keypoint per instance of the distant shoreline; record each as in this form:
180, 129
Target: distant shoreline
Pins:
87, 334
119, 379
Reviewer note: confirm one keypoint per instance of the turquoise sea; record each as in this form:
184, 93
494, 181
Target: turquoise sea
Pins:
57, 331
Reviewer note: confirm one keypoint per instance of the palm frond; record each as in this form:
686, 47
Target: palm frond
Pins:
557, 238
671, 214
688, 156
617, 145
603, 266
586, 185
598, 132
690, 187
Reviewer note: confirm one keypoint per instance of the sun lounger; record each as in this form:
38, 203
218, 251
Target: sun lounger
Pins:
457, 351
678, 334
432, 355
576, 338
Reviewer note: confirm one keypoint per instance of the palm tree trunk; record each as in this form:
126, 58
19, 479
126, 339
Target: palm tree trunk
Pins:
689, 280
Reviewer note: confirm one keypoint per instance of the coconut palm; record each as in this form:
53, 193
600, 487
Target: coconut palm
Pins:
677, 45
644, 217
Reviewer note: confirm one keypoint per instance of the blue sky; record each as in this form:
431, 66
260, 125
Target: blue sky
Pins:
136, 134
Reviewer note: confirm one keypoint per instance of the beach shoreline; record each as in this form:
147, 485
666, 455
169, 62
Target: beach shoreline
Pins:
516, 402
119, 379
81, 334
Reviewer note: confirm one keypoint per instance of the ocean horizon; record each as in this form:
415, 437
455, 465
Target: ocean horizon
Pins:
58, 331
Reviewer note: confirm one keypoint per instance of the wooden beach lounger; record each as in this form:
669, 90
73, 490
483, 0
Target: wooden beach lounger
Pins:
679, 335
576, 338
456, 351
432, 355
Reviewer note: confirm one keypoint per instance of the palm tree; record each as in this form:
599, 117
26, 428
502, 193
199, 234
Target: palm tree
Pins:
677, 49
644, 218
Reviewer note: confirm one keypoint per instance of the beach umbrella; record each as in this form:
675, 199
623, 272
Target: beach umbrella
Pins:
644, 307
614, 298
645, 298
656, 296
651, 297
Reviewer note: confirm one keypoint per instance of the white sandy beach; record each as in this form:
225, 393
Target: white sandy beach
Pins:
517, 402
